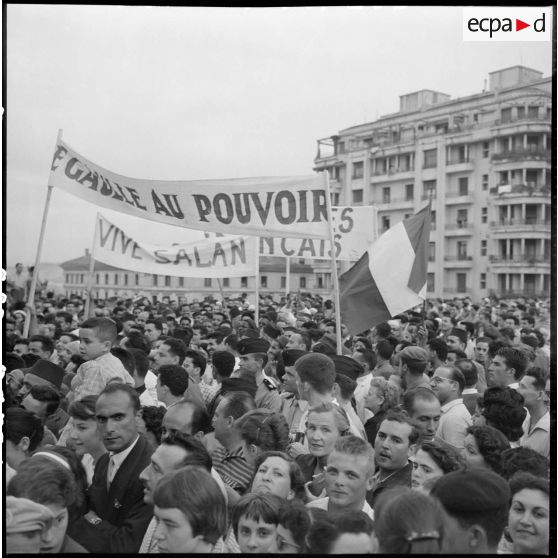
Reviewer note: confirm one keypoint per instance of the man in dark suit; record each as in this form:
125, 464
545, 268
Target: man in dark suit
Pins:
118, 515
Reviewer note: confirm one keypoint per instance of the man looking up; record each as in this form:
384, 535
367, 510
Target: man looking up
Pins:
448, 384
506, 368
118, 516
348, 477
395, 443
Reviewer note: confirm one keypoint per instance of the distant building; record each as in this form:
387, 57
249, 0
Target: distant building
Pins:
484, 161
109, 281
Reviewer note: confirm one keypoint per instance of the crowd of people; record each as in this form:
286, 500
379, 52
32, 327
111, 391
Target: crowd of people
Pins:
208, 427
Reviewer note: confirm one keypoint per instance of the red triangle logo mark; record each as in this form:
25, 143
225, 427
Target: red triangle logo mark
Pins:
519, 25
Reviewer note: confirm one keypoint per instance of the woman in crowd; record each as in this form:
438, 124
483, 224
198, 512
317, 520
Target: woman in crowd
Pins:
50, 483
381, 397
408, 522
254, 521
325, 424
502, 408
528, 520
84, 437
278, 473
484, 447
262, 430
433, 459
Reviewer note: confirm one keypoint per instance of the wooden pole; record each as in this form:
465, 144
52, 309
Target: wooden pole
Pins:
288, 278
87, 310
333, 265
33, 287
220, 285
257, 304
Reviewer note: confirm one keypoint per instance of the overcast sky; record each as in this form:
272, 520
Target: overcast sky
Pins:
199, 93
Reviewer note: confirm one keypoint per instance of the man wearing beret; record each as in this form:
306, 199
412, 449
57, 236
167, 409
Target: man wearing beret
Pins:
477, 503
412, 364
253, 358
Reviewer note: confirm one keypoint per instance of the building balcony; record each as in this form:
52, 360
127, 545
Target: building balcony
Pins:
459, 165
393, 203
503, 193
518, 226
454, 198
459, 229
523, 124
458, 261
520, 260
393, 174
534, 153
519, 294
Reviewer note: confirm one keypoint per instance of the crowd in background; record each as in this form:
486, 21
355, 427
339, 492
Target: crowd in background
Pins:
167, 427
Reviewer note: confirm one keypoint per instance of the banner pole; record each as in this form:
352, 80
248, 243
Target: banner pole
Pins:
257, 304
288, 279
333, 265
91, 267
219, 284
33, 287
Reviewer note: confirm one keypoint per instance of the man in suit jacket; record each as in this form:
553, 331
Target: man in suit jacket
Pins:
118, 517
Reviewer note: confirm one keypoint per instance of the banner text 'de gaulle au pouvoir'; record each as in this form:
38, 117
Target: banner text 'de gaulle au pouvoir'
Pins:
282, 207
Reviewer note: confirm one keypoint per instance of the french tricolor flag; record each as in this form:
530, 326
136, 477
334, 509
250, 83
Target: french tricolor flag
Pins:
389, 278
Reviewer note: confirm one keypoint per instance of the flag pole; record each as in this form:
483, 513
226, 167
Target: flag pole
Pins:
288, 278
33, 287
219, 284
333, 265
257, 304
91, 267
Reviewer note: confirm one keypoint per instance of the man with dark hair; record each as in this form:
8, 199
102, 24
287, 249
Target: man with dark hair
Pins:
195, 364
153, 331
291, 406
395, 443
228, 459
412, 365
44, 401
42, 346
423, 409
384, 350
470, 393
172, 382
141, 368
118, 515
536, 428
507, 367
448, 384
457, 339
438, 353
477, 503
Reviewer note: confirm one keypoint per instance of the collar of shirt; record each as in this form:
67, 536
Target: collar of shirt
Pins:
445, 408
174, 403
515, 385
119, 457
469, 391
238, 452
542, 424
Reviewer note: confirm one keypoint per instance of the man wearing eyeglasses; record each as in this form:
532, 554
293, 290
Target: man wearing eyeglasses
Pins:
447, 384
536, 428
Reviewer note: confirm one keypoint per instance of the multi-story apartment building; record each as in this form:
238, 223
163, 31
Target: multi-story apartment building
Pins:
484, 161
109, 281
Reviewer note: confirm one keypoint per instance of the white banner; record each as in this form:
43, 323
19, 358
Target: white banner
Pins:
283, 206
230, 256
354, 229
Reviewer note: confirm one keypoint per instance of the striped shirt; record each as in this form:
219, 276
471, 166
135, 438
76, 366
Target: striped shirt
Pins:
233, 468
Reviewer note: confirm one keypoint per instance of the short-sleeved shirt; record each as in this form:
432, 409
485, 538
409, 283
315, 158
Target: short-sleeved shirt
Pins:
233, 468
537, 439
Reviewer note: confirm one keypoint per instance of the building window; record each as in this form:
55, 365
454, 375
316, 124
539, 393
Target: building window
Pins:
358, 170
226, 282
137, 279
485, 149
106, 278
430, 158
429, 189
483, 280
463, 186
483, 247
461, 282
386, 195
335, 198
96, 278
302, 282
283, 282
431, 251
485, 181
125, 279
155, 280
68, 277
533, 112
244, 282
207, 282
181, 281
385, 223
430, 282
167, 281
484, 214
409, 192
263, 281
506, 115
320, 282
461, 218
357, 196
433, 220
520, 113
116, 278
461, 250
